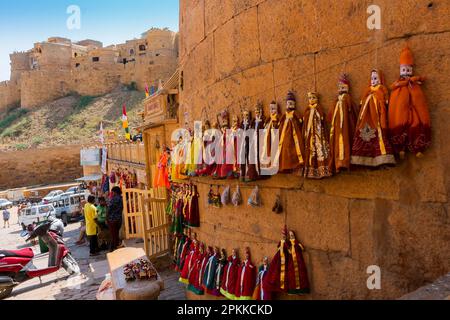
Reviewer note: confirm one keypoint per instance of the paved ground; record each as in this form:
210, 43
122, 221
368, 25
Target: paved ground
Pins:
59, 286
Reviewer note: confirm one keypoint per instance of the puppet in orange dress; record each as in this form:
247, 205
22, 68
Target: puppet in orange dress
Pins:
371, 146
409, 118
290, 154
317, 148
162, 175
343, 122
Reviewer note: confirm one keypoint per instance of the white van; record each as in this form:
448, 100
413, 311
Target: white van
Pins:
36, 214
68, 206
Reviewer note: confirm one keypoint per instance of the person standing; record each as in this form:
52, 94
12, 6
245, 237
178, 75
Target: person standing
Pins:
90, 214
6, 216
114, 216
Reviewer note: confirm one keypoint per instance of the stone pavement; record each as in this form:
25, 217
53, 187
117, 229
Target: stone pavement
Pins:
59, 285
438, 290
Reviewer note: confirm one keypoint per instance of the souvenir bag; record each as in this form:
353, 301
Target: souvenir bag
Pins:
237, 197
254, 200
225, 197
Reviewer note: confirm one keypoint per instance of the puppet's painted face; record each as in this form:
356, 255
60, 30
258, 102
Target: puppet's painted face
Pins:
343, 88
406, 70
234, 253
266, 261
291, 235
245, 115
273, 108
313, 99
258, 111
247, 255
375, 79
290, 105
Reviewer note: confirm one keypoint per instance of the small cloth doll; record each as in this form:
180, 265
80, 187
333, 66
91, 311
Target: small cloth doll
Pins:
271, 125
189, 262
290, 154
317, 148
246, 278
261, 293
225, 197
343, 122
409, 117
128, 272
277, 279
278, 207
230, 276
218, 276
254, 200
371, 145
237, 197
194, 209
297, 274
195, 275
248, 166
210, 270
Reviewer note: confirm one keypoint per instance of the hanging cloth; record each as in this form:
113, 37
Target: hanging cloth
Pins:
236, 199
225, 198
254, 200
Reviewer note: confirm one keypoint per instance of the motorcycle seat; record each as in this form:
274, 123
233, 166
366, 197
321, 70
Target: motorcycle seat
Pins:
23, 253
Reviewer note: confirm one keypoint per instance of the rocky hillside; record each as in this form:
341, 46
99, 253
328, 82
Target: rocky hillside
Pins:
70, 120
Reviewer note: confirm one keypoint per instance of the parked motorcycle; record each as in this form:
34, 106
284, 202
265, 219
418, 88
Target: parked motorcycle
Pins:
16, 266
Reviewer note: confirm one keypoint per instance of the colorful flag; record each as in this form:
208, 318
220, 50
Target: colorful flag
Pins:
147, 92
125, 122
102, 134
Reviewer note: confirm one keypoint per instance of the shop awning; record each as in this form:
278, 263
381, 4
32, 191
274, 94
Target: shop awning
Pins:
94, 177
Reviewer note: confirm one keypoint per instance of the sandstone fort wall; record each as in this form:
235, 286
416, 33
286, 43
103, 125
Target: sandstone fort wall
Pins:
39, 166
234, 53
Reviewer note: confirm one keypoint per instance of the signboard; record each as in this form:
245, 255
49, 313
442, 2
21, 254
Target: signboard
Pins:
90, 157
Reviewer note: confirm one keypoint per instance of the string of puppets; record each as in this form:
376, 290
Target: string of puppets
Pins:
206, 269
317, 146
382, 127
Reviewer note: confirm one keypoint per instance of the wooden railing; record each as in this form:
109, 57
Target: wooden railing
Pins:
145, 218
133, 152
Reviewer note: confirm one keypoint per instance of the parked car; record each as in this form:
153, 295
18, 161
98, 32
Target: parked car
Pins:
35, 214
68, 206
72, 190
51, 196
5, 204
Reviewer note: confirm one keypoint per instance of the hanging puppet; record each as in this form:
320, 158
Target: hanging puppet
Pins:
258, 124
343, 122
161, 179
290, 150
277, 276
273, 123
317, 148
195, 285
409, 118
218, 277
209, 163
261, 292
248, 165
246, 279
297, 274
210, 271
193, 219
230, 274
189, 262
371, 146
225, 170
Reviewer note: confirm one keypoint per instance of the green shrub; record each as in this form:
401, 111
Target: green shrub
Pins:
37, 141
132, 86
84, 102
11, 117
21, 146
16, 129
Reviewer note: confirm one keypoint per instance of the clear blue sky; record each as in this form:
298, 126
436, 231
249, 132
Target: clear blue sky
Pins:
24, 22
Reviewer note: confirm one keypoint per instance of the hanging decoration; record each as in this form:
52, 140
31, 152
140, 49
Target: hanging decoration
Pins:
409, 117
237, 197
254, 200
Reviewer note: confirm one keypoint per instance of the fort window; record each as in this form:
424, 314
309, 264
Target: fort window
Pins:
95, 59
142, 47
132, 52
157, 54
75, 54
77, 65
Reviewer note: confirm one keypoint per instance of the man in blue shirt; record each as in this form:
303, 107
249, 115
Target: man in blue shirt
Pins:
6, 216
114, 216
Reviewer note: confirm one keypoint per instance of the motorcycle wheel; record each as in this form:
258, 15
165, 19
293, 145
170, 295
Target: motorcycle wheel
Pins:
70, 265
5, 292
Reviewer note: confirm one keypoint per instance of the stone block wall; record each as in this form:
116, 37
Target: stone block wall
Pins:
234, 53
39, 166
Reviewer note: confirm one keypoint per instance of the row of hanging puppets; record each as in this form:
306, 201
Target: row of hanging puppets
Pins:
183, 205
208, 270
384, 126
